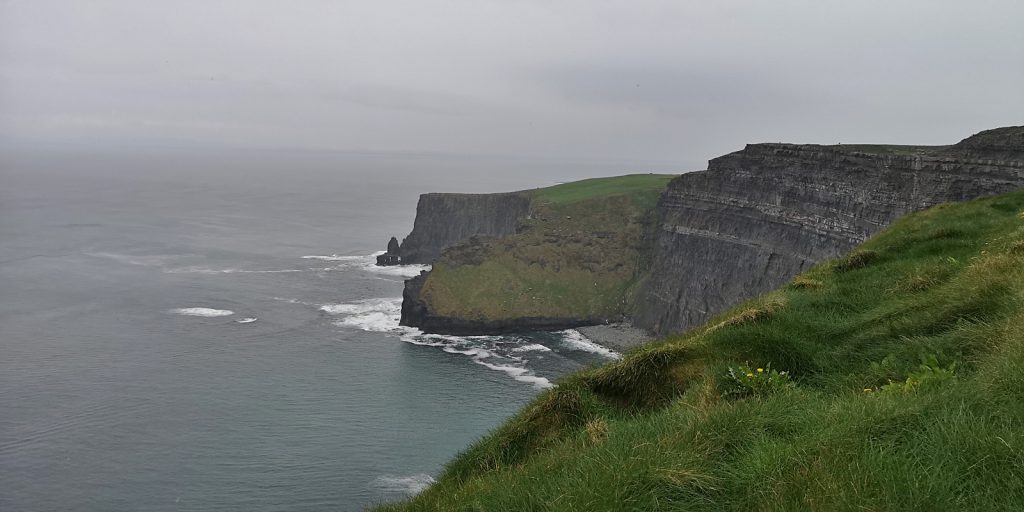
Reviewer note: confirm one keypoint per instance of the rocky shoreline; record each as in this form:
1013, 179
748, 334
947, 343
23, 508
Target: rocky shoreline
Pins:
620, 337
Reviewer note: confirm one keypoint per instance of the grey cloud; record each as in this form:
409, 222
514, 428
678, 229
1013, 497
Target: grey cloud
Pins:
657, 80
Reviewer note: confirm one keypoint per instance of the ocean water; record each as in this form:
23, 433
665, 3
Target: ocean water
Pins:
186, 331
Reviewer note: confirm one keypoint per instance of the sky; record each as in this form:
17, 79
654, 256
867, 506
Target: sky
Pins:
673, 81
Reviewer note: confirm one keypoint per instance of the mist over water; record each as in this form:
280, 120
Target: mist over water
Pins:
185, 331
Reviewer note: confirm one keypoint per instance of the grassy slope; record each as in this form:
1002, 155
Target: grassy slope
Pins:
644, 189
907, 364
555, 267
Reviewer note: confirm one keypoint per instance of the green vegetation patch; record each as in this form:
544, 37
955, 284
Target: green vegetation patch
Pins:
643, 188
895, 384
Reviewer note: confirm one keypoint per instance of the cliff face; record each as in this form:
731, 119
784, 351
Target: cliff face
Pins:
445, 219
573, 260
759, 216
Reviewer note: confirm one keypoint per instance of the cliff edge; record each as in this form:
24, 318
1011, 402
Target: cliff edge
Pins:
760, 216
443, 220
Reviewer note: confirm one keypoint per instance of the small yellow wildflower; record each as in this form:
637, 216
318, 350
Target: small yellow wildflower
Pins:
760, 370
750, 375
868, 390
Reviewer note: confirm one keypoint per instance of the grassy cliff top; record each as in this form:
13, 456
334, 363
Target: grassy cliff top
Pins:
644, 188
890, 379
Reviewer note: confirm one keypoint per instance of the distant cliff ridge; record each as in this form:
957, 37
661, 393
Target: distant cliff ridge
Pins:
601, 250
759, 216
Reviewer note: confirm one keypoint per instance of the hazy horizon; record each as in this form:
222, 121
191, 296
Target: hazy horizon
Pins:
647, 81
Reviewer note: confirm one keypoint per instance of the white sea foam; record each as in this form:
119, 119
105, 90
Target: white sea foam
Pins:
375, 321
393, 305
409, 485
536, 347
249, 320
374, 315
487, 356
517, 373
575, 340
335, 257
398, 270
493, 352
295, 301
368, 263
206, 312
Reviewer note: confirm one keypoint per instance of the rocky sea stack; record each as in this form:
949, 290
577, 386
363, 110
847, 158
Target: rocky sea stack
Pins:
392, 256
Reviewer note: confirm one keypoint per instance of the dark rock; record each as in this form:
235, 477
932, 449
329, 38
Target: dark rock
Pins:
391, 257
388, 260
999, 143
443, 220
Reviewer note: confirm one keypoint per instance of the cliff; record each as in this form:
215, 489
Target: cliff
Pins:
573, 259
759, 216
445, 219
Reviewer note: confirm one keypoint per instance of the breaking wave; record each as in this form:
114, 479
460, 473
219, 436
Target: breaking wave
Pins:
374, 315
534, 347
408, 485
575, 340
246, 320
205, 312
368, 263
497, 353
335, 257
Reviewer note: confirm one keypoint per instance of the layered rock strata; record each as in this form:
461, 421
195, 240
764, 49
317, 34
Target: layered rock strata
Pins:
760, 216
443, 220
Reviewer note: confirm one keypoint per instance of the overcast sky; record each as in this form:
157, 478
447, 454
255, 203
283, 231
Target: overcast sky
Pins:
669, 81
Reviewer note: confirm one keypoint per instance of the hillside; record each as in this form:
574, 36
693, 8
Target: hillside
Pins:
572, 259
888, 379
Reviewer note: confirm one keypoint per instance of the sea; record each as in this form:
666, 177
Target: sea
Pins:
206, 330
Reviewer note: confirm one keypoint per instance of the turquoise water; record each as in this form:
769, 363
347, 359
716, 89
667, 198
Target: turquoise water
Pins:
206, 332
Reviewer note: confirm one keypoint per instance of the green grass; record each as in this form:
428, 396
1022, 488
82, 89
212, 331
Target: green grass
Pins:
644, 188
904, 391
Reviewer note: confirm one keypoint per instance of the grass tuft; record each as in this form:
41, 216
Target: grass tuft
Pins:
649, 377
597, 430
756, 310
1016, 247
803, 282
857, 259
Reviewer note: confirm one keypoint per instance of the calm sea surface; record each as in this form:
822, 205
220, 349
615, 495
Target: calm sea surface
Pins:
207, 332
